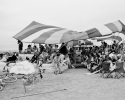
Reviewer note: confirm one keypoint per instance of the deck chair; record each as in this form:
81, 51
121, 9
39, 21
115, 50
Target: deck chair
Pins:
119, 69
106, 70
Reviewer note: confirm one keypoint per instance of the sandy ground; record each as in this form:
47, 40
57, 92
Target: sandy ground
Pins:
73, 84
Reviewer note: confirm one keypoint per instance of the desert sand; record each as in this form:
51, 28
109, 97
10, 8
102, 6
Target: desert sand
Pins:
73, 84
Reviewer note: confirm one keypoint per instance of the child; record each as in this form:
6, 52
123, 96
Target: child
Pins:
56, 62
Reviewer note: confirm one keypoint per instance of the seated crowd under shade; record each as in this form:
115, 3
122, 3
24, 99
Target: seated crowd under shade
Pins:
90, 57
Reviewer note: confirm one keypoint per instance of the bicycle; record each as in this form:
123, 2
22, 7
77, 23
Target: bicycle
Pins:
31, 79
6, 78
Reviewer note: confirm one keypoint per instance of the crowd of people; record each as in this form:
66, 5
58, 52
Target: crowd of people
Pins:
46, 54
89, 57
93, 57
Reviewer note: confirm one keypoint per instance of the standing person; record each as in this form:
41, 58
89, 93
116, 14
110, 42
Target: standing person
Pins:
20, 46
63, 49
41, 47
56, 63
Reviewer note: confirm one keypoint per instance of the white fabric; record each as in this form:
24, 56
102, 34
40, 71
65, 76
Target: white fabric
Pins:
2, 65
55, 37
64, 66
23, 67
112, 67
61, 58
36, 35
28, 29
118, 25
104, 30
111, 55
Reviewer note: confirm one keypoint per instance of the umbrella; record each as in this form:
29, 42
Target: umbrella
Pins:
106, 29
46, 34
23, 67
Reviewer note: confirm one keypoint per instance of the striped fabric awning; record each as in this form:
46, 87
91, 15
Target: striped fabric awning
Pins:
72, 43
106, 29
46, 34
118, 38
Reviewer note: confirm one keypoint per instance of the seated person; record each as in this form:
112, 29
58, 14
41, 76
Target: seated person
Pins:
78, 59
34, 59
93, 66
29, 49
12, 58
35, 49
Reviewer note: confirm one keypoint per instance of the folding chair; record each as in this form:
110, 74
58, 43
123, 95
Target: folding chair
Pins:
119, 69
106, 70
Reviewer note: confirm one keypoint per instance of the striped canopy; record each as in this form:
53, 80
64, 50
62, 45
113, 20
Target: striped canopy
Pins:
46, 34
118, 38
106, 29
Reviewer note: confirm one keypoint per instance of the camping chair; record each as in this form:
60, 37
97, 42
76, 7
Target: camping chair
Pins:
119, 69
106, 69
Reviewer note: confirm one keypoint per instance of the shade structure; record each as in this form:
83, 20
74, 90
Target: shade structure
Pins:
123, 41
39, 33
106, 29
118, 38
72, 43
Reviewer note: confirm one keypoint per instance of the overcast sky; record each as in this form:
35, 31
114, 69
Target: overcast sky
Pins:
78, 15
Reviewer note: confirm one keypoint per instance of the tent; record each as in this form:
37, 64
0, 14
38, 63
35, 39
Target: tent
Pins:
46, 34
